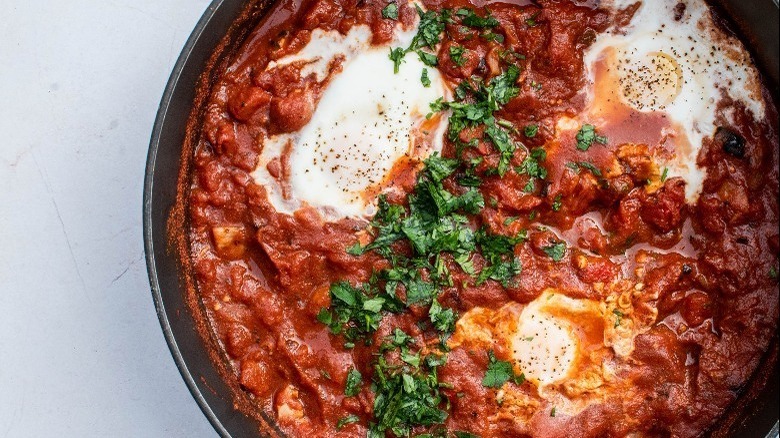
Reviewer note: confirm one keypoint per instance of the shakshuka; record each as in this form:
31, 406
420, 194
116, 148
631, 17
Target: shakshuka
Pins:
455, 218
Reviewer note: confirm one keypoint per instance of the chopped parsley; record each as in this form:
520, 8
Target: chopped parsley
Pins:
442, 319
773, 273
552, 411
426, 81
499, 372
390, 11
428, 59
498, 250
475, 105
456, 55
556, 251
353, 312
664, 174
407, 397
397, 56
592, 168
532, 167
557, 204
587, 136
430, 28
429, 235
354, 382
618, 317
349, 419
577, 167
355, 249
471, 19
531, 21
530, 131
492, 36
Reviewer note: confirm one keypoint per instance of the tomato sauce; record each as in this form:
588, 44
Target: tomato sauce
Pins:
263, 276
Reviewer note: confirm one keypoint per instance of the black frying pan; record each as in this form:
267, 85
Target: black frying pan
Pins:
223, 26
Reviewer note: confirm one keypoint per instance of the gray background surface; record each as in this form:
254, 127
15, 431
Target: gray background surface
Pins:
81, 352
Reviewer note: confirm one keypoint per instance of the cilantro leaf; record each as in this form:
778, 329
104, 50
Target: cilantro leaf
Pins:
557, 204
471, 19
493, 36
556, 251
397, 56
390, 11
406, 398
428, 59
532, 167
498, 250
353, 313
442, 319
429, 29
618, 317
354, 382
345, 292
400, 338
456, 55
498, 372
502, 271
505, 146
355, 249
586, 136
592, 168
531, 21
349, 419
426, 81
439, 168
503, 88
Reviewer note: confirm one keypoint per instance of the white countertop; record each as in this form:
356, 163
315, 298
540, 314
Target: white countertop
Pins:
81, 351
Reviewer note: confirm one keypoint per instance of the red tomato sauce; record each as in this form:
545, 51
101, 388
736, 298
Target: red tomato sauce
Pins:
263, 276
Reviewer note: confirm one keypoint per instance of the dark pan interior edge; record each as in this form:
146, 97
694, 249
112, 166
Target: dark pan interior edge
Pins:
155, 216
755, 413
185, 75
756, 23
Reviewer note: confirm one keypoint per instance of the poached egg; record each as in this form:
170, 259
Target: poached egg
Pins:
671, 68
369, 124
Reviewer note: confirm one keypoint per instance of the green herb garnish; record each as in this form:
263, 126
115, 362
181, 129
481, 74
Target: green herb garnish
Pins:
390, 11
618, 317
556, 251
456, 55
557, 204
587, 136
349, 419
426, 81
354, 382
499, 372
397, 56
471, 19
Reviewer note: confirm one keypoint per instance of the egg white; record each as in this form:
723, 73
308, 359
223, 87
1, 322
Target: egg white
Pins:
368, 120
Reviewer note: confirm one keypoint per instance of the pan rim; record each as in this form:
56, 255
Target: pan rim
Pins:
151, 263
